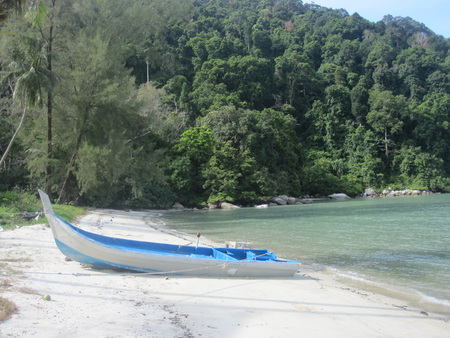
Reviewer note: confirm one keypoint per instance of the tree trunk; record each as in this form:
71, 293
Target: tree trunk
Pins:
386, 144
48, 168
13, 137
69, 169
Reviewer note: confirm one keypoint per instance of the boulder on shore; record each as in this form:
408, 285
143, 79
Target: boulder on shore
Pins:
226, 205
291, 200
261, 206
370, 193
280, 200
338, 196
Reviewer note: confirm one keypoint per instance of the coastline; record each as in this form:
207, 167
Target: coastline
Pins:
121, 304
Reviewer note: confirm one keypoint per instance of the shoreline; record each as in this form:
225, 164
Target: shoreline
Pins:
120, 304
412, 297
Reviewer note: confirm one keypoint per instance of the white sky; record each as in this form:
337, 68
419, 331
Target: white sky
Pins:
435, 14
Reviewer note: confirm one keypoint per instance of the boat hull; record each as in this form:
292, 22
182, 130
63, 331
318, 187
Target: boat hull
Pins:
109, 252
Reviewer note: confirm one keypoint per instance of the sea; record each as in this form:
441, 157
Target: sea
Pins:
396, 246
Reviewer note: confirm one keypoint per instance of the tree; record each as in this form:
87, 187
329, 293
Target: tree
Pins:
29, 77
432, 124
265, 141
231, 175
385, 115
361, 149
251, 78
360, 99
43, 18
99, 97
329, 119
294, 77
6, 6
190, 155
422, 170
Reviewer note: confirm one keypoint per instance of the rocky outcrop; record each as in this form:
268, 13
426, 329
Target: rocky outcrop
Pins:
288, 200
212, 206
291, 200
226, 205
261, 206
178, 206
370, 193
339, 196
307, 201
280, 200
407, 192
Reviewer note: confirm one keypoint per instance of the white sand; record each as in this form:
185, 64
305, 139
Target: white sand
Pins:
94, 303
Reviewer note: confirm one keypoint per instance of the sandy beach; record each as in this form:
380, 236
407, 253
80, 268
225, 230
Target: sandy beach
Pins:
87, 302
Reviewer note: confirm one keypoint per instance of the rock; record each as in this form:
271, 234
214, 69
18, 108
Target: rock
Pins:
291, 200
308, 201
261, 206
226, 205
280, 201
212, 206
338, 196
177, 206
370, 193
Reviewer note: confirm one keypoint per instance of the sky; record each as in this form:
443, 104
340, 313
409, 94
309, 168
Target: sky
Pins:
435, 14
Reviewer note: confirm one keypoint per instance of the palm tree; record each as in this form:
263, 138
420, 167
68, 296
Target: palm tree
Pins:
6, 6
28, 78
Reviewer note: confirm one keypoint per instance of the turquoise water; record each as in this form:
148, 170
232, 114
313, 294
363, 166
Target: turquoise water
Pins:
398, 246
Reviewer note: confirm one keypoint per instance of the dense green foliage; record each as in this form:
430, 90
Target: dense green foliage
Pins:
198, 101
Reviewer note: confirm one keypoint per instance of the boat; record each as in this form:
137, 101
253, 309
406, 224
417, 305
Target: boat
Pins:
105, 252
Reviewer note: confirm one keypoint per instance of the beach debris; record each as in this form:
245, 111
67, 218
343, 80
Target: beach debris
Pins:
47, 297
239, 245
30, 215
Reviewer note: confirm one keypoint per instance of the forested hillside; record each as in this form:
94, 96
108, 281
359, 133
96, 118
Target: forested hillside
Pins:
141, 104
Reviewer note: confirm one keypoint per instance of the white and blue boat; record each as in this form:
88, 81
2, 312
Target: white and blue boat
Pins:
117, 253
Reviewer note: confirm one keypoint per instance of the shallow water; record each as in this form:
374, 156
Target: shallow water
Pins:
398, 246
